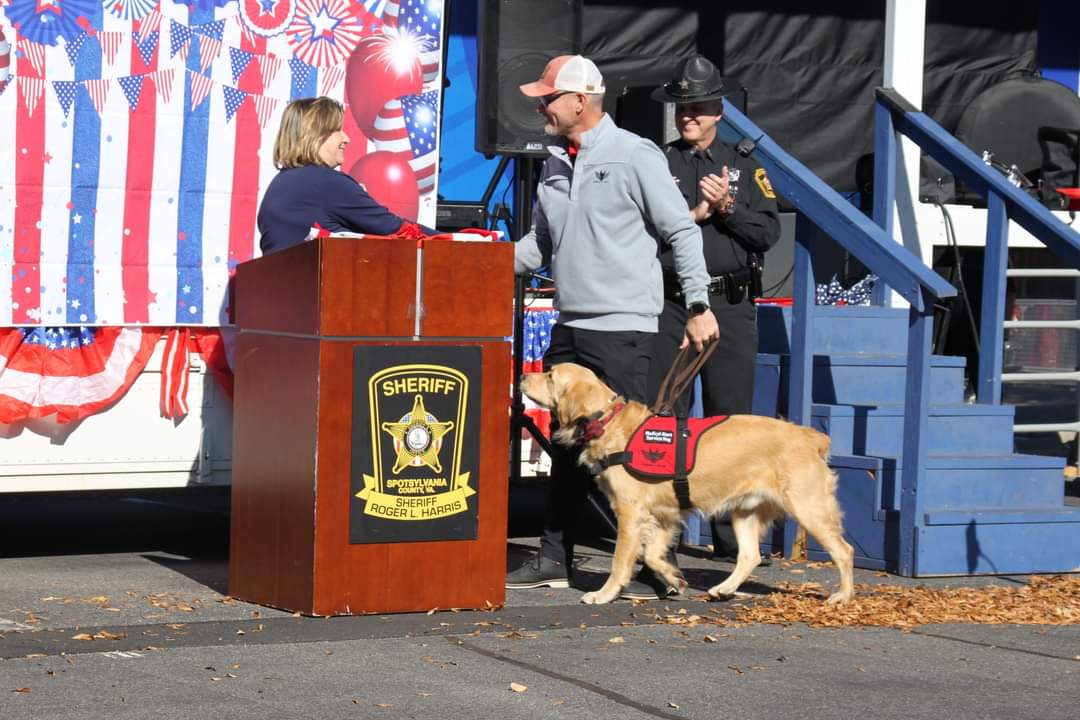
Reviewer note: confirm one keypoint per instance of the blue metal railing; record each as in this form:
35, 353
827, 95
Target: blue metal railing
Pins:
821, 206
1004, 201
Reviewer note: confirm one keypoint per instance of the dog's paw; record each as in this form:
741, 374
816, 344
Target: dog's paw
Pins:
598, 597
590, 598
839, 597
719, 592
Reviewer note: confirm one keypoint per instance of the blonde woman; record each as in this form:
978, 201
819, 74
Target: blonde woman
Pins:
310, 146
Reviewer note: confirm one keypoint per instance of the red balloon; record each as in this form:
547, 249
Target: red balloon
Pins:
389, 179
380, 69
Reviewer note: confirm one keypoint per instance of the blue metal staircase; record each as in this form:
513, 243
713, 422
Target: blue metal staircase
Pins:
985, 509
928, 483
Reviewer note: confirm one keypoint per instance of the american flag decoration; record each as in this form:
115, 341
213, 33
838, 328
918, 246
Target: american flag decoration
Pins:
134, 211
34, 53
536, 337
269, 65
68, 372
209, 49
200, 88
132, 89
422, 18
163, 80
72, 47
233, 100
422, 123
151, 22
146, 44
110, 45
179, 39
99, 93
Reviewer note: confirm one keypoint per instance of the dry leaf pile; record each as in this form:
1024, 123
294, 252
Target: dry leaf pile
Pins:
1044, 600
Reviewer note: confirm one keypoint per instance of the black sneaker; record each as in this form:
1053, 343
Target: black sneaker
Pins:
539, 571
648, 586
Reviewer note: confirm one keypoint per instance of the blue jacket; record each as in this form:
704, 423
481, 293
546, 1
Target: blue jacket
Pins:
297, 198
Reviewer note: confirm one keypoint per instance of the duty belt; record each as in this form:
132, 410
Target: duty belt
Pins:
736, 285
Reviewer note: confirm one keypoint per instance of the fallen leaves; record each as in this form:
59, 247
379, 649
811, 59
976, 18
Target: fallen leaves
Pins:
1053, 600
22, 691
99, 635
518, 687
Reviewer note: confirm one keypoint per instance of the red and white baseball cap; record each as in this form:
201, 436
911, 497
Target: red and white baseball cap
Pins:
567, 73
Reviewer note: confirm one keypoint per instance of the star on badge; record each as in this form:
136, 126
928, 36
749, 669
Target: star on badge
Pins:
685, 85
417, 438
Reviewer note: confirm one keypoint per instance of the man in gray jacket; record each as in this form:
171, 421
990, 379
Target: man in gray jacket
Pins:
606, 205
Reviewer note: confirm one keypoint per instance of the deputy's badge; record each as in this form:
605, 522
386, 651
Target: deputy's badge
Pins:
763, 183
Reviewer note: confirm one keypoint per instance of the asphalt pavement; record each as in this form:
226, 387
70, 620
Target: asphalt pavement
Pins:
115, 606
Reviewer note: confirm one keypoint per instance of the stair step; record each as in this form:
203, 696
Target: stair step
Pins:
879, 429
875, 379
997, 516
978, 542
1006, 482
836, 329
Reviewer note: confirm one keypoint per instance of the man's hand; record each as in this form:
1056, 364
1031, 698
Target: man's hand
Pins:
700, 329
715, 192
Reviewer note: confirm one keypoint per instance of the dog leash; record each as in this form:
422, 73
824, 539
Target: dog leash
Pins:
679, 376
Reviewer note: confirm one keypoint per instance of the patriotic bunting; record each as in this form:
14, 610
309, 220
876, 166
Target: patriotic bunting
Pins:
110, 44
233, 100
72, 47
146, 44
200, 88
238, 62
139, 218
99, 93
132, 87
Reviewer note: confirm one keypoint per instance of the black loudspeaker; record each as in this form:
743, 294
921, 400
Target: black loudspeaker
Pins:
517, 39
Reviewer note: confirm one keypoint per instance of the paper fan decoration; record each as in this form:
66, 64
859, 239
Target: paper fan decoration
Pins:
267, 17
43, 21
324, 32
130, 9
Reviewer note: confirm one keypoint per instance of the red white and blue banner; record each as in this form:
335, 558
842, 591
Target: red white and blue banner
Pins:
69, 372
139, 138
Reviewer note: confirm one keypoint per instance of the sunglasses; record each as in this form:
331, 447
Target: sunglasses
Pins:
548, 99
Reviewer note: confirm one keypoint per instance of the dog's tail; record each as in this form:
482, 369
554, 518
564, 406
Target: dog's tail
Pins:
820, 441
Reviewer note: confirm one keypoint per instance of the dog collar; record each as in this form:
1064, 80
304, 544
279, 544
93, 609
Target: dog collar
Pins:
592, 427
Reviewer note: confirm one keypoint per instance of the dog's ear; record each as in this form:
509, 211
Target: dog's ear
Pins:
578, 394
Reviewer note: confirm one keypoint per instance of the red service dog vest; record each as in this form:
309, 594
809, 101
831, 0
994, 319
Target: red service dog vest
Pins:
652, 446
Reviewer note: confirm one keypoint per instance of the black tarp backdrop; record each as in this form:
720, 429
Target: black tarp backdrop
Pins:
809, 66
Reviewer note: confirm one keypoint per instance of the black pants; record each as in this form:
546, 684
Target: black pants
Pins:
621, 360
727, 380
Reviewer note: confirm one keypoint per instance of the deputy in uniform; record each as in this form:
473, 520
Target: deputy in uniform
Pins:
730, 198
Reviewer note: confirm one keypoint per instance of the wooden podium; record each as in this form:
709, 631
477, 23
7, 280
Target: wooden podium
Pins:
370, 451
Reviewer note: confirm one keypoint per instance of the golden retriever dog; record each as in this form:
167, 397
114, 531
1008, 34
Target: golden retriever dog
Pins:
755, 468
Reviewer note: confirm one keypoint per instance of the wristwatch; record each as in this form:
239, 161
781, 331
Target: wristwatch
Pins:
697, 308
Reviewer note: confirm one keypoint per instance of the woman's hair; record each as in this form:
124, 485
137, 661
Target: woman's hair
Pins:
305, 125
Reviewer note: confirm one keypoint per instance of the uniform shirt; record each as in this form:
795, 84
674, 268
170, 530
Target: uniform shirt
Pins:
297, 198
753, 225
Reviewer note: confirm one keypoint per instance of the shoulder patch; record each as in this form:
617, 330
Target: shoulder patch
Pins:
763, 183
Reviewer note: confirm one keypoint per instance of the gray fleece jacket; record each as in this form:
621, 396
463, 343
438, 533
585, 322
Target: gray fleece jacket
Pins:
600, 221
